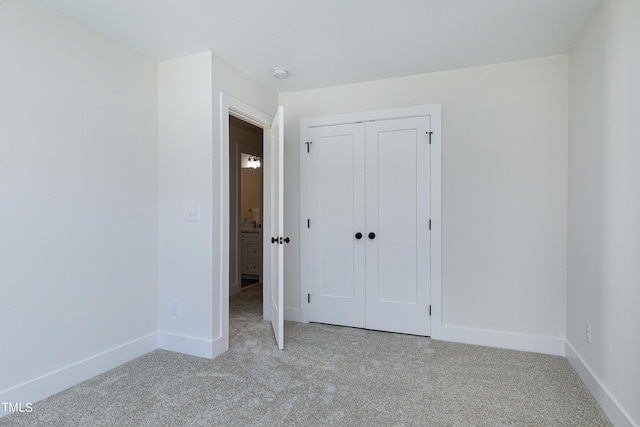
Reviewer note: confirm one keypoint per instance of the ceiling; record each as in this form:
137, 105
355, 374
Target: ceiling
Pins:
333, 42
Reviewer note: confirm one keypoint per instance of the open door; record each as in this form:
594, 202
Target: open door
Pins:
277, 226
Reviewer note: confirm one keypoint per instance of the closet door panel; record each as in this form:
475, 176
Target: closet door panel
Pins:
337, 191
396, 209
397, 267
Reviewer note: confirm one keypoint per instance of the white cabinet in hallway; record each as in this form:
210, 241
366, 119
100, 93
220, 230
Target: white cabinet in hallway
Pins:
251, 252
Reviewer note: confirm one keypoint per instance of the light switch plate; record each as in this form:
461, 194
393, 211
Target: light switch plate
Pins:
175, 307
193, 213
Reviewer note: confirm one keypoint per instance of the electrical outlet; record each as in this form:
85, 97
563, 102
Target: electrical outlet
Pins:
175, 307
588, 332
193, 213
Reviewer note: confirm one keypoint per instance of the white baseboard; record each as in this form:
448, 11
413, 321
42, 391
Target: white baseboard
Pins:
292, 314
617, 415
219, 346
70, 375
546, 345
193, 346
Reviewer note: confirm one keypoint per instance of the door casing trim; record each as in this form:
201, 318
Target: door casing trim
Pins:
230, 106
435, 113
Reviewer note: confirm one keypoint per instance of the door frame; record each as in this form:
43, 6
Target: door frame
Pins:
230, 106
435, 112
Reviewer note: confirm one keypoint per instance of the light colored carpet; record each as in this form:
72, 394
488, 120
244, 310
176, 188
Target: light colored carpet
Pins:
327, 375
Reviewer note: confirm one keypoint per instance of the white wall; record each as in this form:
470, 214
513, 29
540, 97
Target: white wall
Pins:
185, 106
78, 202
504, 193
191, 174
604, 209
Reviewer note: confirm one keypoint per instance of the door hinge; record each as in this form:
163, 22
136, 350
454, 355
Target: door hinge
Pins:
429, 133
429, 224
308, 146
308, 298
429, 310
308, 223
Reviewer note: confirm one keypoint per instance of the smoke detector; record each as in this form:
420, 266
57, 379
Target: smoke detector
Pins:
280, 73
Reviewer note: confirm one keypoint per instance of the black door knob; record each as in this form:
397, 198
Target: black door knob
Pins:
274, 240
372, 235
358, 235
287, 240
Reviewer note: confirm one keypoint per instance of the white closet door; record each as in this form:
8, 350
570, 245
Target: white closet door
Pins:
337, 203
398, 258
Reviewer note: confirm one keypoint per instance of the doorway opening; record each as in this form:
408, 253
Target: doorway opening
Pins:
246, 211
246, 205
272, 219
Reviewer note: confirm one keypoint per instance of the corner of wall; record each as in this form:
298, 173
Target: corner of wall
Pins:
192, 346
611, 407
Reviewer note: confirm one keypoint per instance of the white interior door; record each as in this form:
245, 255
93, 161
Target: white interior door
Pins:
276, 162
368, 228
398, 213
337, 202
